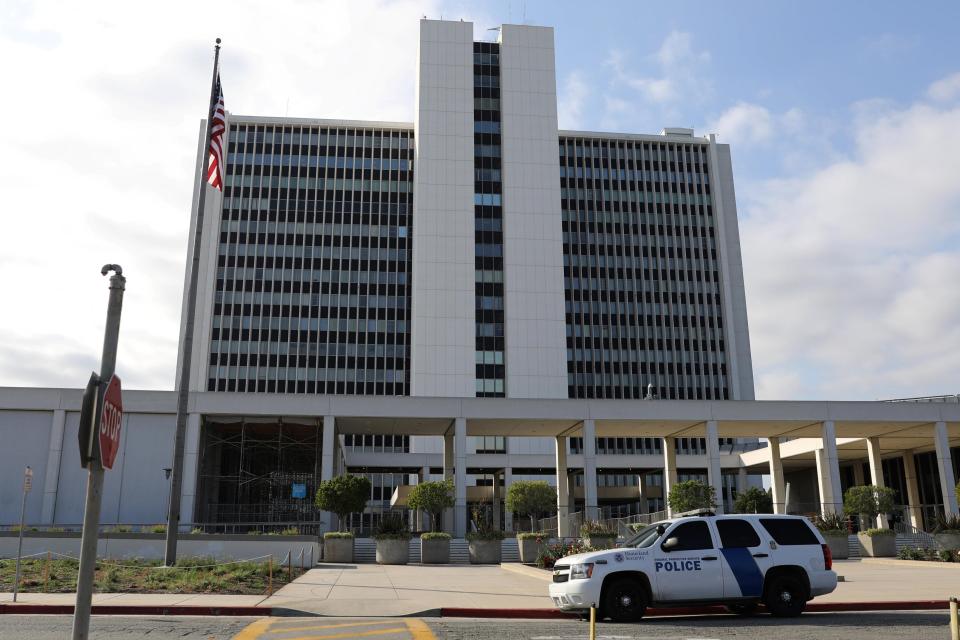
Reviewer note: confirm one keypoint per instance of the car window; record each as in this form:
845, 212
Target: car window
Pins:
691, 536
737, 533
645, 537
789, 531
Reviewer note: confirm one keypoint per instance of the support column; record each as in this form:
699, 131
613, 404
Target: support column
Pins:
714, 479
641, 486
858, 479
496, 500
52, 480
327, 460
191, 460
423, 518
460, 477
507, 514
669, 471
948, 481
876, 474
913, 489
590, 508
742, 480
828, 471
777, 487
563, 489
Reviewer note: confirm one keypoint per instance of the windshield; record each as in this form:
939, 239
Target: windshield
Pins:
646, 536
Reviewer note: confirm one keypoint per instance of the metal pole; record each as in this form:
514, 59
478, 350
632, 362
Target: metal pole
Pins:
186, 356
23, 507
91, 514
954, 622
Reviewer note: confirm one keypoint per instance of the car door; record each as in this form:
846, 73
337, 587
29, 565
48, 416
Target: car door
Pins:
745, 557
687, 564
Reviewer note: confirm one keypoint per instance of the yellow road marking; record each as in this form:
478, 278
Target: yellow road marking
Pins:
352, 634
278, 629
253, 630
419, 630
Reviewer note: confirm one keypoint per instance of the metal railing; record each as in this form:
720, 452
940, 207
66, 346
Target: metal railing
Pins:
293, 527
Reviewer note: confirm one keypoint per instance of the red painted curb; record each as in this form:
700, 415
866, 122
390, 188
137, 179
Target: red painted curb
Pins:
542, 614
135, 610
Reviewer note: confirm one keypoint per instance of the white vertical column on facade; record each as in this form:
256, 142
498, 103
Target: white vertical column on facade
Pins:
460, 477
591, 510
448, 459
669, 470
777, 486
948, 481
735, 326
191, 461
876, 473
52, 480
496, 500
714, 477
328, 453
507, 514
742, 480
642, 491
828, 470
913, 489
536, 349
563, 488
423, 518
858, 478
443, 321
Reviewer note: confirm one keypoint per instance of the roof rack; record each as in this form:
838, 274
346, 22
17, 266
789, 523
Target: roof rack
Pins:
694, 512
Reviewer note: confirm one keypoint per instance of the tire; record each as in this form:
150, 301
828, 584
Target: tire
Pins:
786, 597
624, 600
745, 609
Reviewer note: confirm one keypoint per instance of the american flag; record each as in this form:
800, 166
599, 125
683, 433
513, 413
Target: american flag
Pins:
215, 164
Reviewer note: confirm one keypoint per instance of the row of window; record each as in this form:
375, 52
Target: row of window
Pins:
303, 160
321, 136
571, 148
331, 325
311, 275
338, 374
312, 348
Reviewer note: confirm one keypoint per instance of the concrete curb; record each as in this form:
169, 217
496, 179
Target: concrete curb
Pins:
135, 610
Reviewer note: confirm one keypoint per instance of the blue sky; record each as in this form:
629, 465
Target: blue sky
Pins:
843, 118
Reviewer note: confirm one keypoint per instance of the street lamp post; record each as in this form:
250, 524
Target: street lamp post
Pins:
27, 485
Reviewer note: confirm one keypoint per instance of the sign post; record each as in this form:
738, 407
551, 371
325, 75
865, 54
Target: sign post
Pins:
105, 424
27, 485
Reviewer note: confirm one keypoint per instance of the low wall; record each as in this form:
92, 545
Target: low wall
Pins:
151, 546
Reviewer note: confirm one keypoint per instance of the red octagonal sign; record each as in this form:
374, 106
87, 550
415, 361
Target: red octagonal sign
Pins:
110, 423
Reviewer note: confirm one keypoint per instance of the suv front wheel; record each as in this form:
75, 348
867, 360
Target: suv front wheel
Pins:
624, 600
786, 596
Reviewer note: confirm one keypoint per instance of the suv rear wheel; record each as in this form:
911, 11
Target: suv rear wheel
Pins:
786, 596
624, 600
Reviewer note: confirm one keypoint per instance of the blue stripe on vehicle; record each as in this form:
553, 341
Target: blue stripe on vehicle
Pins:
745, 570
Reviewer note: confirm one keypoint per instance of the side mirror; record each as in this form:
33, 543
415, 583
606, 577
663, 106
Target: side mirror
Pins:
660, 529
670, 543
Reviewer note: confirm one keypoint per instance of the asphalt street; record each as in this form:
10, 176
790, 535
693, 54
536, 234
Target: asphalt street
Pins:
850, 626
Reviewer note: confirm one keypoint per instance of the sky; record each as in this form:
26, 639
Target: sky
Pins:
843, 121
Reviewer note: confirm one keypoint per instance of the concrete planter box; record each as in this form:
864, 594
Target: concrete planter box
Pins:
878, 546
393, 551
600, 542
839, 545
484, 551
947, 541
435, 551
338, 550
530, 549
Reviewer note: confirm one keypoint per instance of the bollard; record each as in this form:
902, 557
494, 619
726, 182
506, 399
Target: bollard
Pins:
301, 560
270, 578
954, 622
290, 566
593, 623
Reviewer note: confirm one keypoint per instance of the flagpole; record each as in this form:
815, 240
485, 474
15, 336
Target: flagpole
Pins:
186, 353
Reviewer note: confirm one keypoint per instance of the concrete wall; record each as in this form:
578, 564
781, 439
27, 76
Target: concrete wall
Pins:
26, 437
536, 355
443, 323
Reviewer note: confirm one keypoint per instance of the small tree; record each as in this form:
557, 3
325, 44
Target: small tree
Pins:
868, 501
692, 494
754, 500
531, 498
432, 497
343, 495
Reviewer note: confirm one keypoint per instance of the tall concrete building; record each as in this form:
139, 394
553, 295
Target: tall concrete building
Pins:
481, 296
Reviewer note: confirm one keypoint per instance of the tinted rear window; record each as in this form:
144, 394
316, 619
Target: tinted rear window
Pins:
789, 531
737, 534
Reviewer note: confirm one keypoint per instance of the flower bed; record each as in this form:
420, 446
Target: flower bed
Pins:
931, 555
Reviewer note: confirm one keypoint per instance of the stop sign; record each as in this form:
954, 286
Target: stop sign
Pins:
109, 433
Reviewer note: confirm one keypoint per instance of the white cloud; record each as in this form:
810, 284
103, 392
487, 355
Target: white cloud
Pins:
102, 111
744, 123
571, 101
851, 272
680, 74
945, 89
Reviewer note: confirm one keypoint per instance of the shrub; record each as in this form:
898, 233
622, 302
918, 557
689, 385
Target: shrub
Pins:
868, 500
947, 524
158, 528
878, 532
531, 535
435, 535
196, 531
120, 528
553, 552
531, 498
833, 523
692, 494
483, 527
343, 495
391, 527
596, 529
489, 534
337, 535
433, 497
290, 531
754, 500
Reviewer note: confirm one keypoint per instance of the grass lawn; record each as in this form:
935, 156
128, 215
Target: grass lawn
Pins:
188, 576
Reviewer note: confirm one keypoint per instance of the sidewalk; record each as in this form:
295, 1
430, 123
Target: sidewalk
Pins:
358, 590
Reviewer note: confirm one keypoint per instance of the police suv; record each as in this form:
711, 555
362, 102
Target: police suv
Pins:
736, 560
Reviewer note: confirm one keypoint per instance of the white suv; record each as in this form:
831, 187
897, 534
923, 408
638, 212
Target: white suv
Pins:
735, 560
